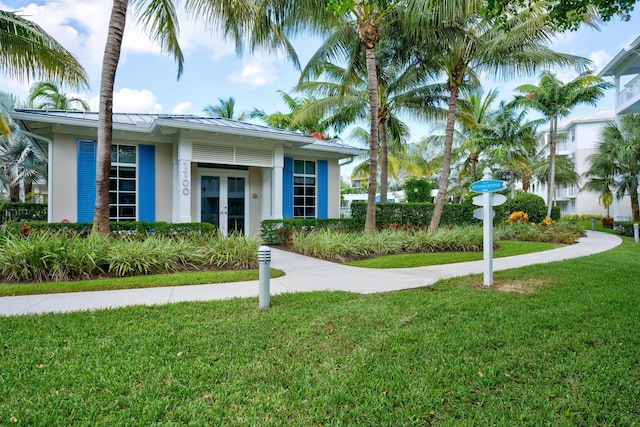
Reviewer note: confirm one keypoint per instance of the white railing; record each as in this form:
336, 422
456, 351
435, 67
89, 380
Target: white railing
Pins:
630, 93
566, 147
566, 193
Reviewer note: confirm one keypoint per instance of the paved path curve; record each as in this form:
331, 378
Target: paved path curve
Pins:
303, 274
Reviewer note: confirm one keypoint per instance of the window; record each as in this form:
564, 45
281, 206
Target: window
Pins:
122, 183
304, 189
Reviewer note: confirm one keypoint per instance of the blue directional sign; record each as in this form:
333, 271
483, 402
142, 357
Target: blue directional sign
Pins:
488, 185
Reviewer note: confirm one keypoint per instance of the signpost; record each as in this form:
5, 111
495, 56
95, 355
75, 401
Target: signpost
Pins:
487, 200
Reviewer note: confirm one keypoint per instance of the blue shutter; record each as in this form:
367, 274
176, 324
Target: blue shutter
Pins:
146, 183
323, 189
287, 190
86, 185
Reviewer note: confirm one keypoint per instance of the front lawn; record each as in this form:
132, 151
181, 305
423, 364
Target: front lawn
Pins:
563, 350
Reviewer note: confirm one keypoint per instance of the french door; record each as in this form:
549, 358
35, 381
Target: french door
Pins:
224, 201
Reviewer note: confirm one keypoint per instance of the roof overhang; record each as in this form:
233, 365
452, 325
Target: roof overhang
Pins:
626, 62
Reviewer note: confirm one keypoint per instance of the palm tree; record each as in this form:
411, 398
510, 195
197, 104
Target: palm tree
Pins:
47, 96
475, 116
616, 163
403, 88
243, 21
464, 43
309, 122
28, 52
20, 159
554, 100
515, 141
224, 109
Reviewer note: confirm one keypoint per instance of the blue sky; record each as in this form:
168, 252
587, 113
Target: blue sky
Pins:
146, 80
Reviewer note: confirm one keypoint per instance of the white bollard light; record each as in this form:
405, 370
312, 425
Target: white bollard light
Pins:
264, 262
636, 237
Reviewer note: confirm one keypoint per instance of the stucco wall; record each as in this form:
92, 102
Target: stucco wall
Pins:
164, 182
64, 174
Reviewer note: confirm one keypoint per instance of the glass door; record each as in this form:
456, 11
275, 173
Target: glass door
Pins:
210, 200
235, 201
223, 202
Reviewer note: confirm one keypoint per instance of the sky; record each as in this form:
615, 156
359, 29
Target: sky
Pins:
146, 80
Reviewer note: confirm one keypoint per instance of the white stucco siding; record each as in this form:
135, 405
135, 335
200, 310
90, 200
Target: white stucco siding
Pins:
164, 182
64, 176
254, 187
334, 189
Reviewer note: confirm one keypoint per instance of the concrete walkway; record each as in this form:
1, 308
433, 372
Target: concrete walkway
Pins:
303, 274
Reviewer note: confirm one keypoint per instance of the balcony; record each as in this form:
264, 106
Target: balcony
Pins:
629, 101
568, 193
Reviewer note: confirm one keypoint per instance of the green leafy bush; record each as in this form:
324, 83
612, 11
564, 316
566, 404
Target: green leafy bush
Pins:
532, 204
18, 211
278, 231
124, 228
47, 256
418, 189
343, 246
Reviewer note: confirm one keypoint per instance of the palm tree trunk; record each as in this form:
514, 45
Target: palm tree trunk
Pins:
446, 160
512, 182
384, 162
105, 115
474, 167
635, 209
372, 80
28, 190
551, 190
14, 191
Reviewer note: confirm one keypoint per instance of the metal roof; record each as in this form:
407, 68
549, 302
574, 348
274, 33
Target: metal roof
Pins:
148, 122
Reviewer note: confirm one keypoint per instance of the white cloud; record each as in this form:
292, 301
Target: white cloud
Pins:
600, 58
132, 101
256, 71
181, 108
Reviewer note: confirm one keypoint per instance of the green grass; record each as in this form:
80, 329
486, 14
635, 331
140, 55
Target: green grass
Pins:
506, 248
150, 281
562, 351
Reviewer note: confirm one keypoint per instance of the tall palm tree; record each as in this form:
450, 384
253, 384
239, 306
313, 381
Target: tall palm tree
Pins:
554, 100
341, 84
47, 96
225, 109
464, 43
28, 52
515, 140
616, 163
475, 116
243, 21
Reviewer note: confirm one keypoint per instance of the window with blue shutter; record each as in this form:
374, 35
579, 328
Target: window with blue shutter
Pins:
323, 189
86, 186
146, 183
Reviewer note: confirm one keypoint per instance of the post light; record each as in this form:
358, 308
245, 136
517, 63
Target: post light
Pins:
264, 261
635, 233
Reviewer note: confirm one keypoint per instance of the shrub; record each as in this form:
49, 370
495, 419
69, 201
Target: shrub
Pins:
532, 204
607, 222
516, 217
19, 212
418, 189
118, 229
46, 256
278, 231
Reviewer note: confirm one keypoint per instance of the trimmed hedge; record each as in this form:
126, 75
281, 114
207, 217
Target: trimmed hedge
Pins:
127, 228
18, 211
419, 214
624, 227
278, 231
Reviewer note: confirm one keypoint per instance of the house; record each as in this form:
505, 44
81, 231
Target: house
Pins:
625, 70
578, 138
184, 168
